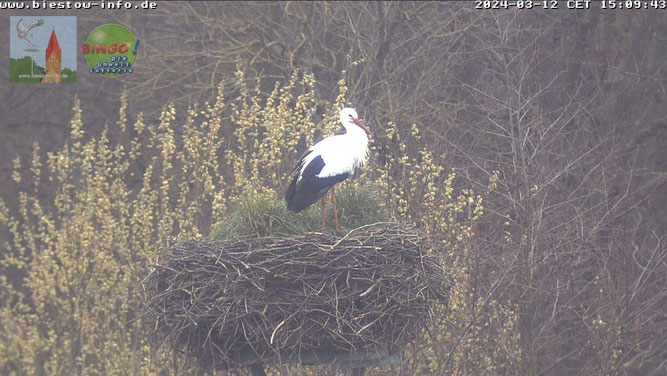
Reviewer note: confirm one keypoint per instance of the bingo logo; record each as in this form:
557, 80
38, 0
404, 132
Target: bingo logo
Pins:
111, 50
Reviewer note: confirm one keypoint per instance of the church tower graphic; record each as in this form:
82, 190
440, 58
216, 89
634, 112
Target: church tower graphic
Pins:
42, 49
53, 60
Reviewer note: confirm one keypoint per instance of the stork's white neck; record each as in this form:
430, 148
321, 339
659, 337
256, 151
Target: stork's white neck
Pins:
357, 143
355, 139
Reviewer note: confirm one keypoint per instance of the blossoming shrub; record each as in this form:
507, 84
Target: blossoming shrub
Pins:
98, 210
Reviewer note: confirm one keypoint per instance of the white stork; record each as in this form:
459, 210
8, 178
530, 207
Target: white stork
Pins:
327, 163
23, 32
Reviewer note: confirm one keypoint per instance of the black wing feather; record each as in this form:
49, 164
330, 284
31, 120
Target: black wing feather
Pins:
309, 188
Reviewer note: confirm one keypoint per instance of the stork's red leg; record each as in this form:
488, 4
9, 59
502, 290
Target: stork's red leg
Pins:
335, 208
324, 214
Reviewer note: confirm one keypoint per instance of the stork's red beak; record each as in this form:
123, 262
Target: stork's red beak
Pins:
362, 126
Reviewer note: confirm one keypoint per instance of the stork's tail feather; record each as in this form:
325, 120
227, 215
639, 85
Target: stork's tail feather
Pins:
289, 197
309, 190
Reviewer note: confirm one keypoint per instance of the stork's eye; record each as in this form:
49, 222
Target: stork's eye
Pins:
350, 115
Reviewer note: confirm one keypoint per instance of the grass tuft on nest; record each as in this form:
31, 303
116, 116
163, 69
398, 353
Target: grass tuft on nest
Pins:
264, 216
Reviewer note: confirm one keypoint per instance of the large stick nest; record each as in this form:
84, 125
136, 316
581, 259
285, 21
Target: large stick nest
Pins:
248, 300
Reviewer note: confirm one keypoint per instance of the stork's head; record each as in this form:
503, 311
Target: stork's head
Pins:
350, 120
